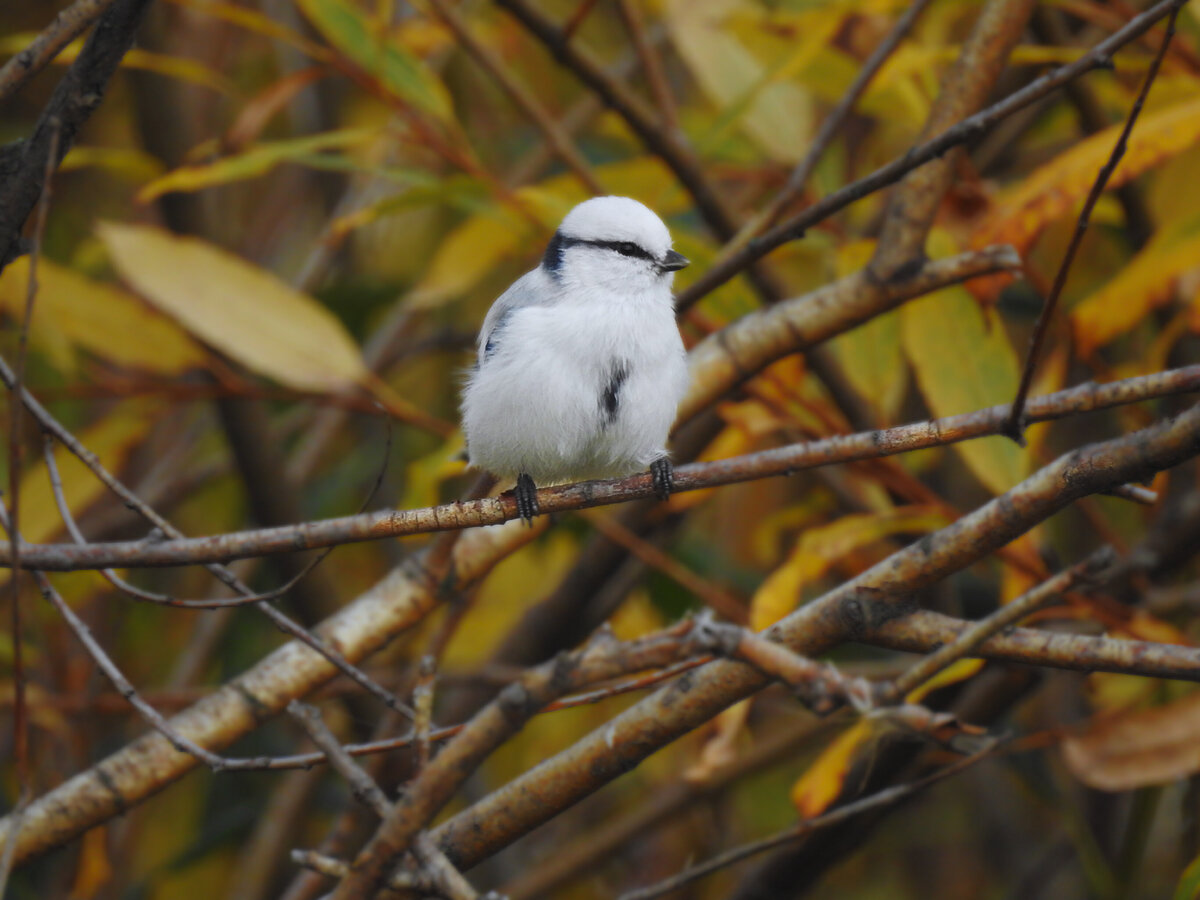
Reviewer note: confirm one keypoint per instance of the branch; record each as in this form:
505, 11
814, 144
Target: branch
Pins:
1016, 424
924, 631
1099, 57
147, 765
67, 25
693, 476
23, 168
965, 87
854, 608
602, 658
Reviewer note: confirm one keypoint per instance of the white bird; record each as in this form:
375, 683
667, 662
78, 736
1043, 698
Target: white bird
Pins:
580, 366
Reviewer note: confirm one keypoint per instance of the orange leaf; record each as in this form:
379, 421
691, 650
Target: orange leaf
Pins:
1056, 189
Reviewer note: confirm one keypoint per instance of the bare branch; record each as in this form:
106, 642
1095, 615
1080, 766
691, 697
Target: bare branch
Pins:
1016, 423
693, 476
66, 26
1098, 57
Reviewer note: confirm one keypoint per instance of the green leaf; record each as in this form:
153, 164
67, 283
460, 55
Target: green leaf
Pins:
367, 45
253, 162
964, 361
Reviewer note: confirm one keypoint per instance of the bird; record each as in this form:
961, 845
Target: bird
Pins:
580, 367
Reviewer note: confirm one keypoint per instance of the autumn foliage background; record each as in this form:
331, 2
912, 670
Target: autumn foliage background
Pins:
356, 188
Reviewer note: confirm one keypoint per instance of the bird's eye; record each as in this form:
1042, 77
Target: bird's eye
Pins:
627, 248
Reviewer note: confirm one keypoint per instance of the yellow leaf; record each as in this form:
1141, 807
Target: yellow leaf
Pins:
964, 361
425, 475
99, 318
820, 548
93, 869
111, 439
182, 68
775, 114
822, 783
1141, 286
253, 161
1055, 189
242, 310
469, 253
952, 674
362, 41
135, 165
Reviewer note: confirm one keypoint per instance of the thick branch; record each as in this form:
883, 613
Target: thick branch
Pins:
22, 169
856, 607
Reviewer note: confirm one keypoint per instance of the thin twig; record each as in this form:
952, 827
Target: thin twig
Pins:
222, 573
830, 127
1007, 615
336, 868
66, 26
1098, 57
422, 701
110, 669
362, 784
651, 65
554, 134
15, 454
694, 476
439, 869
1015, 427
886, 797
64, 511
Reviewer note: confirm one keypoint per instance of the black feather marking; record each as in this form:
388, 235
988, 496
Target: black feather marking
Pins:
552, 259
610, 398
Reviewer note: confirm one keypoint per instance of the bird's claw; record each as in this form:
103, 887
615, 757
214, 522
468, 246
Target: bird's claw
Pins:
662, 475
526, 494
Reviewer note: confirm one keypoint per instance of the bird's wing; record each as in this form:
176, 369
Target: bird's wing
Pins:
530, 289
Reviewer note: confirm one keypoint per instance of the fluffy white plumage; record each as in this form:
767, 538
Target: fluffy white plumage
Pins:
580, 367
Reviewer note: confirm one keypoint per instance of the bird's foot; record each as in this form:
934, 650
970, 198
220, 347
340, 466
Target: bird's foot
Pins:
662, 474
526, 494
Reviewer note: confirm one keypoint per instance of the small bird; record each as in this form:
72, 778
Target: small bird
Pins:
580, 367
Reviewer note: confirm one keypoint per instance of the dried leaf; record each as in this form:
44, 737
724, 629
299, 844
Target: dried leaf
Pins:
242, 310
1136, 749
720, 748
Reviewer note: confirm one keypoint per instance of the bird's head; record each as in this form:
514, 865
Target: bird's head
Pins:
612, 241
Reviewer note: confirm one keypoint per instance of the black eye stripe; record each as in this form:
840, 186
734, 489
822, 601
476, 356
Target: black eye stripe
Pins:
553, 257
625, 248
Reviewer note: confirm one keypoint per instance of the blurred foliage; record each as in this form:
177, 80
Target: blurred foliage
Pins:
354, 151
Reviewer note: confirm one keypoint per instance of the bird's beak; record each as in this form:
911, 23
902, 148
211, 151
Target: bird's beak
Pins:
673, 262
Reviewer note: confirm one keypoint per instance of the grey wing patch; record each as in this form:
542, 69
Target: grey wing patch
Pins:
531, 289
493, 338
